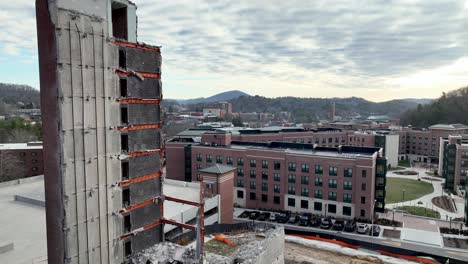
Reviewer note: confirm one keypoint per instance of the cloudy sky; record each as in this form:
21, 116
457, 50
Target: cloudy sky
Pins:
379, 50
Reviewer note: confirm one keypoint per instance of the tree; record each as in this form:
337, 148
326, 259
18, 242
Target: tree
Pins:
237, 121
11, 166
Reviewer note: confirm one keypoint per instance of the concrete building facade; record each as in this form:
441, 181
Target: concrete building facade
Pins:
100, 94
343, 181
453, 162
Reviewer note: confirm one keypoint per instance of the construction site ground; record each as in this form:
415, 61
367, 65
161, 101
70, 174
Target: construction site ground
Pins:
299, 254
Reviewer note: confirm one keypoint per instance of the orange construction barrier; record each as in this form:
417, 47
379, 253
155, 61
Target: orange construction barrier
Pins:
224, 239
336, 242
406, 257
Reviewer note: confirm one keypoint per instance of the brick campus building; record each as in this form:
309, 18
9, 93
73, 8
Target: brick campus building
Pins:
343, 181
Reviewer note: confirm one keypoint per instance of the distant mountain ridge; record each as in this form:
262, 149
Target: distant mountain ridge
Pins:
422, 101
225, 96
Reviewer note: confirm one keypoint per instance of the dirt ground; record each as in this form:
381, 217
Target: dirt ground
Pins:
391, 233
444, 203
298, 254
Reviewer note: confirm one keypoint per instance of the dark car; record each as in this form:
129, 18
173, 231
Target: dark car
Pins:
375, 230
245, 214
315, 221
254, 215
350, 226
304, 219
338, 225
294, 219
264, 216
327, 222
282, 218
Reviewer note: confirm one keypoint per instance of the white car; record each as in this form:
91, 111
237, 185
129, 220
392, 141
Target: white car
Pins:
272, 218
362, 228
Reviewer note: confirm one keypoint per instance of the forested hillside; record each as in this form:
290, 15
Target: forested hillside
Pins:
450, 108
14, 96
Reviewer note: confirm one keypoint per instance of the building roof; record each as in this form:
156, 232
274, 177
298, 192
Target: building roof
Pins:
14, 146
218, 169
449, 127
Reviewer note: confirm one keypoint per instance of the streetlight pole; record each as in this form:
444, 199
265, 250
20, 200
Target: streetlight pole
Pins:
372, 222
403, 196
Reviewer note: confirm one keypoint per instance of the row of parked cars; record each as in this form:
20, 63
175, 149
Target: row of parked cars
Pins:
307, 219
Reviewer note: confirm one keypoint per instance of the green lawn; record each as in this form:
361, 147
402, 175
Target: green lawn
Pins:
421, 211
413, 189
404, 163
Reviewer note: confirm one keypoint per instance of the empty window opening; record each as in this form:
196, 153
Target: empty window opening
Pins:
127, 224
125, 197
124, 115
128, 248
125, 171
124, 143
122, 59
119, 21
123, 87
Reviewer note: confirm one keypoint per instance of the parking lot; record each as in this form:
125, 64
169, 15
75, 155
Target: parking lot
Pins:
312, 221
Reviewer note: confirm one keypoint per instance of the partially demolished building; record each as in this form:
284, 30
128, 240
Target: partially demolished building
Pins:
100, 95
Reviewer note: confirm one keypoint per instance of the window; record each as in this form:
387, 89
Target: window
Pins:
318, 169
219, 159
363, 187
126, 197
292, 190
332, 196
305, 192
305, 168
264, 198
199, 167
363, 200
265, 164
363, 213
332, 184
253, 163
347, 185
33, 153
305, 180
125, 170
198, 176
240, 194
34, 168
364, 173
264, 175
253, 174
291, 202
292, 178
465, 154
318, 194
276, 199
464, 172
304, 204
199, 157
209, 158
253, 196
332, 208
277, 165
291, 166
22, 154
240, 162
276, 188
348, 172
240, 172
333, 171
318, 182
347, 210
317, 206
264, 186
124, 143
276, 177
240, 183
253, 185
229, 160
347, 198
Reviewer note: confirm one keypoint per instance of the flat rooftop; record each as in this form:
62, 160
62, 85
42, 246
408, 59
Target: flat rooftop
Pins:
307, 149
14, 146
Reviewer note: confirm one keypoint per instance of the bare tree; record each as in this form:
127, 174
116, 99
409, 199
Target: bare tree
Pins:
12, 166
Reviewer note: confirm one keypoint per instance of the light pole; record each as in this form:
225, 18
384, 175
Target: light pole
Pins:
403, 195
372, 222
393, 218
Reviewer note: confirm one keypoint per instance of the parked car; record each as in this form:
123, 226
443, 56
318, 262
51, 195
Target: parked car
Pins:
327, 222
294, 219
362, 228
304, 219
350, 226
272, 217
282, 218
338, 225
254, 215
264, 216
375, 230
245, 214
315, 221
